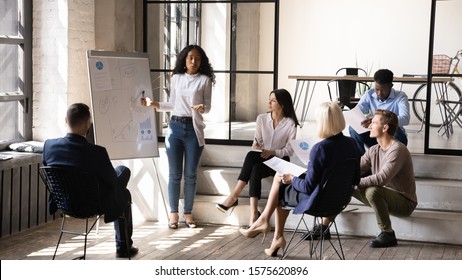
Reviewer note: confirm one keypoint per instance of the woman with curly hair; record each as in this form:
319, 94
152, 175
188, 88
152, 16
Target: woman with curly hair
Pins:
190, 97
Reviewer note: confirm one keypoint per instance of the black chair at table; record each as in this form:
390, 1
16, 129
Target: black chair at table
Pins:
76, 194
331, 200
345, 90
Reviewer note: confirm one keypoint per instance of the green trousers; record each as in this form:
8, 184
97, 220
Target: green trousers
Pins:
384, 202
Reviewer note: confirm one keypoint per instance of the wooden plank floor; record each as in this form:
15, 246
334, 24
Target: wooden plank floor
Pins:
207, 242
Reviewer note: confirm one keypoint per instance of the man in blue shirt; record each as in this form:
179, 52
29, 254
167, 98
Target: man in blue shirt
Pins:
382, 96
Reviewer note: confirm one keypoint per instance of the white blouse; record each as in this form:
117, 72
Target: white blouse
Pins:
186, 91
278, 138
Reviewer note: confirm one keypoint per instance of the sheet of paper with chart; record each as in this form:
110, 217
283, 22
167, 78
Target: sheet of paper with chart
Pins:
302, 148
284, 167
354, 117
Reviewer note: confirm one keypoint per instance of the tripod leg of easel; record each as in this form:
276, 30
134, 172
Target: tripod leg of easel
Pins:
160, 187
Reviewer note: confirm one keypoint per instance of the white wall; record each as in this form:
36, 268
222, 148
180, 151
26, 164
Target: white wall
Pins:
319, 36
266, 54
62, 32
50, 64
216, 44
81, 37
115, 25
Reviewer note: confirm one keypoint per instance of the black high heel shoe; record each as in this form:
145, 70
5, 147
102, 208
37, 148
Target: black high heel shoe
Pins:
224, 208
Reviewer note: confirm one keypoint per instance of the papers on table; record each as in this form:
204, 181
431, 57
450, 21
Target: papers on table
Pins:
302, 148
284, 167
354, 117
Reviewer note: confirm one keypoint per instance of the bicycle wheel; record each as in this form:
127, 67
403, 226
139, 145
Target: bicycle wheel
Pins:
442, 110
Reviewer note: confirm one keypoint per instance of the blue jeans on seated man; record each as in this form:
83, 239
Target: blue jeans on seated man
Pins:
365, 139
123, 176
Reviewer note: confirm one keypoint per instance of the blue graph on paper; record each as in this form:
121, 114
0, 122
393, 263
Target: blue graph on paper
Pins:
146, 129
304, 146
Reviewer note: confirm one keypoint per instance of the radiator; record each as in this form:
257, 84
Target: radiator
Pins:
24, 197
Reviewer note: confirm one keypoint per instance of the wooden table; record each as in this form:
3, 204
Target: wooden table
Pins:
416, 80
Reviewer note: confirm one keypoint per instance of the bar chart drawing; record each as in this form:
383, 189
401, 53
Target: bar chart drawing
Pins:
146, 130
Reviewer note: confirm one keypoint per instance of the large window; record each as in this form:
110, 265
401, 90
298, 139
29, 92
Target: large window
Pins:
240, 39
15, 74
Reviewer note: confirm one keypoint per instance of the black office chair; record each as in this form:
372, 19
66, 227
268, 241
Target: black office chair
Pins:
332, 199
346, 90
76, 194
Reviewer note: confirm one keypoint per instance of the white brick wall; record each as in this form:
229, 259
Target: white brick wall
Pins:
81, 37
63, 30
50, 64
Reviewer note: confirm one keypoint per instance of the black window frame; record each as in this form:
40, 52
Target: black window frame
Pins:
233, 69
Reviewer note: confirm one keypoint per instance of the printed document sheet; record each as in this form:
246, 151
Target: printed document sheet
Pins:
354, 117
284, 167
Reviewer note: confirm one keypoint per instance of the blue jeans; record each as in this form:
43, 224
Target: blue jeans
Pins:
181, 143
123, 176
365, 139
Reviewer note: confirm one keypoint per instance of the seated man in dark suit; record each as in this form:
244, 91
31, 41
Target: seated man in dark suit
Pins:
74, 150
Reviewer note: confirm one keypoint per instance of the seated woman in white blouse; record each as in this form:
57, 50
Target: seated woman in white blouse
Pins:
274, 130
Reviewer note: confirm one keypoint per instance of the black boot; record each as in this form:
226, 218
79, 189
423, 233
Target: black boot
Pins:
315, 233
384, 239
